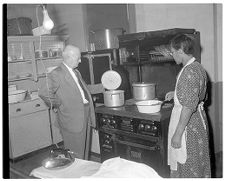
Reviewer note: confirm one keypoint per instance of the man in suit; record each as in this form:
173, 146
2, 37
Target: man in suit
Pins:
67, 93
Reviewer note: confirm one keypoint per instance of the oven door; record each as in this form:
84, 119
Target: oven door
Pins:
140, 150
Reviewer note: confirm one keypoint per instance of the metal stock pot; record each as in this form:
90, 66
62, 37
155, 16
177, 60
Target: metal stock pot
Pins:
114, 98
143, 91
111, 80
105, 38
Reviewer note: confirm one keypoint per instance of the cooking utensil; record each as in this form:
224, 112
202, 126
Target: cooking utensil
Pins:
163, 104
111, 80
149, 106
114, 98
143, 91
59, 158
105, 38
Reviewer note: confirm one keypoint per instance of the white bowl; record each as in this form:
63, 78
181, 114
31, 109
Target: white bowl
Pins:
149, 106
17, 96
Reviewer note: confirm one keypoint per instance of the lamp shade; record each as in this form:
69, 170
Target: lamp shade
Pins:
47, 22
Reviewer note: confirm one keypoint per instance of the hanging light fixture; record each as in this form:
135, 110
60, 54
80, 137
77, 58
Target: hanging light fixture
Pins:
47, 22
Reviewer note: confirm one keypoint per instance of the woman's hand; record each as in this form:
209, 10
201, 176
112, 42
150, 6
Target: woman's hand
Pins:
176, 141
169, 95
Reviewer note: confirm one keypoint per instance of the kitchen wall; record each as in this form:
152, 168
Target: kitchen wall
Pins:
205, 18
116, 16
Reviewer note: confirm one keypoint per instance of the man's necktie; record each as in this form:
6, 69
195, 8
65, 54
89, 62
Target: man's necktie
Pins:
81, 85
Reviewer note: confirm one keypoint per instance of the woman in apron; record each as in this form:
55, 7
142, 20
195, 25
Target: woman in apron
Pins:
188, 146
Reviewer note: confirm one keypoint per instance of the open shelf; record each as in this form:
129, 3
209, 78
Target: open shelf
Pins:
20, 78
20, 61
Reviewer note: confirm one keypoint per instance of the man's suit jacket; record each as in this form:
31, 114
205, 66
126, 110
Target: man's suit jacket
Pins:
66, 97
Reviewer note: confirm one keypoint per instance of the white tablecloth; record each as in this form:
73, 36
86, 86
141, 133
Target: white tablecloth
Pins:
111, 168
121, 168
76, 170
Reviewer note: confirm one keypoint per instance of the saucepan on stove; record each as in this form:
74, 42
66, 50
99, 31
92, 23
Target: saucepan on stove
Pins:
143, 91
111, 80
59, 158
114, 98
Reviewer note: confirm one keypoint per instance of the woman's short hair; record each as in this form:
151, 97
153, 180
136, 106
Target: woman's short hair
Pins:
184, 42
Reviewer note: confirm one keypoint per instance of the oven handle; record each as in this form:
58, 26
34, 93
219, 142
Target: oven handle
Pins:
137, 145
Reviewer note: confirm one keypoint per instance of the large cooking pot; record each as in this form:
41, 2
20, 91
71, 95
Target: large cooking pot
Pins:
111, 80
143, 91
105, 38
114, 98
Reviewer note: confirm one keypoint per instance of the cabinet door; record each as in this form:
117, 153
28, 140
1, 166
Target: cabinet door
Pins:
29, 133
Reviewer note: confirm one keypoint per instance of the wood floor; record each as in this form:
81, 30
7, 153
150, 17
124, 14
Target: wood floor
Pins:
21, 167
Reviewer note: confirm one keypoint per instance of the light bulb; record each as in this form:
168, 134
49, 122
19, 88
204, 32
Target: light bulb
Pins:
47, 22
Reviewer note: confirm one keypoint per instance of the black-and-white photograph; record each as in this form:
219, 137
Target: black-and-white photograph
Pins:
113, 90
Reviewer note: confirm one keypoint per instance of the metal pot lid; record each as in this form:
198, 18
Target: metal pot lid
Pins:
57, 163
111, 80
143, 84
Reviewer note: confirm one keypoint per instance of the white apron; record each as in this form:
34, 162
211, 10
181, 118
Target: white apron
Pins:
178, 155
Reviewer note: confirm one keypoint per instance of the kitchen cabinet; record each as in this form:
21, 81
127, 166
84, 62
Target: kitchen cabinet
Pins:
29, 60
29, 128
